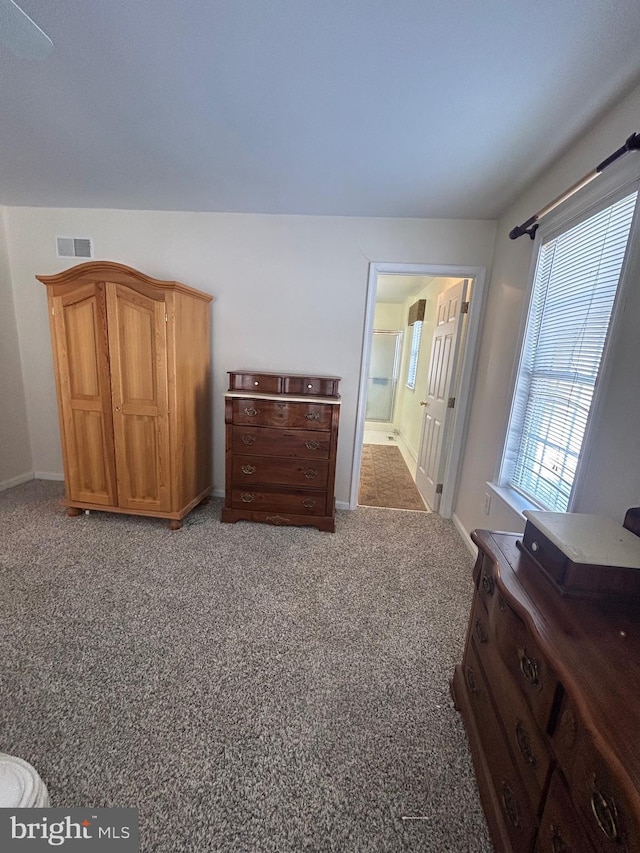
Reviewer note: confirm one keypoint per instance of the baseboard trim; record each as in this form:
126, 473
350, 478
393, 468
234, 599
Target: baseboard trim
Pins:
463, 533
48, 475
16, 481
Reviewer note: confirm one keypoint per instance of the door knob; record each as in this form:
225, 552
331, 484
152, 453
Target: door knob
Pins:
424, 402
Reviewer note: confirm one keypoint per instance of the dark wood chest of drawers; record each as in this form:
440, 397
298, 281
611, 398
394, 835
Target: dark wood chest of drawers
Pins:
281, 443
549, 690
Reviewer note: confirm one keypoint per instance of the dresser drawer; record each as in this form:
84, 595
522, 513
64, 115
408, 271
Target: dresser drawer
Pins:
274, 413
265, 383
322, 386
528, 745
304, 444
270, 470
561, 829
529, 668
294, 501
609, 808
483, 576
518, 815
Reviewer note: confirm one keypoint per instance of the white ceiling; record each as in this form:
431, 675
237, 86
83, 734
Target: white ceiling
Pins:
410, 108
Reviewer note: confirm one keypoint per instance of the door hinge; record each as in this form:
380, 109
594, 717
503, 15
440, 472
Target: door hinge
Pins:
451, 403
464, 308
53, 312
438, 488
166, 318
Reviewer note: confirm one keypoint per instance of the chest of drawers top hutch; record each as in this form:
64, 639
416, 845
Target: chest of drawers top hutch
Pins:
281, 445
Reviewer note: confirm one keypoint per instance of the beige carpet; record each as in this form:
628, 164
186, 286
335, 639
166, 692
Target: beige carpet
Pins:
385, 480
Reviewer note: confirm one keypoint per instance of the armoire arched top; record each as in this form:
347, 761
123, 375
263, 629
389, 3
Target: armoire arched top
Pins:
96, 271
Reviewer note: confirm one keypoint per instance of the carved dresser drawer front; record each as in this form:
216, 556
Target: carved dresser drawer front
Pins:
264, 383
269, 470
527, 743
561, 827
303, 444
518, 815
296, 502
522, 657
609, 810
286, 413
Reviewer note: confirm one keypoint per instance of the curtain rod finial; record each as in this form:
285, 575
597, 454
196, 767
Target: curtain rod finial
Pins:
520, 230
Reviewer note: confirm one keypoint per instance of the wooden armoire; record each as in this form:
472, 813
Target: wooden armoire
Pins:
133, 376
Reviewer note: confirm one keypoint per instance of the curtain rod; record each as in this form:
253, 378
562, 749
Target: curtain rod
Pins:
531, 225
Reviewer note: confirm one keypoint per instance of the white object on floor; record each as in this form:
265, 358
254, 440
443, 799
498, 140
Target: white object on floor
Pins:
20, 786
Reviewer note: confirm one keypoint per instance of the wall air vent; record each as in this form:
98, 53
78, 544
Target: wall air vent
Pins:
74, 247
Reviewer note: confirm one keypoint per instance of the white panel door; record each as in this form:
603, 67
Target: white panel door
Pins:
442, 372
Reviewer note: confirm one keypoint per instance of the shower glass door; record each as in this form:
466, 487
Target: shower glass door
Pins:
383, 375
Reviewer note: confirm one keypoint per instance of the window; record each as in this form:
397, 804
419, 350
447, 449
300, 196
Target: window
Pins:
413, 356
575, 283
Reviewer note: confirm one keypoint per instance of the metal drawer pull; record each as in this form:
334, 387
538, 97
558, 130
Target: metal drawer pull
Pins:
246, 498
524, 745
481, 634
313, 416
487, 584
606, 814
251, 412
308, 503
310, 474
510, 804
529, 668
248, 439
312, 445
248, 469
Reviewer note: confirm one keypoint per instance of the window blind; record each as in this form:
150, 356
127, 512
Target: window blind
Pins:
574, 289
413, 357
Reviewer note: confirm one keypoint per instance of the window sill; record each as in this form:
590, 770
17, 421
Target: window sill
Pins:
514, 500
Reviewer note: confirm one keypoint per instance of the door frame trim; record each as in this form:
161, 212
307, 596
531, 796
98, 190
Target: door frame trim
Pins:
467, 370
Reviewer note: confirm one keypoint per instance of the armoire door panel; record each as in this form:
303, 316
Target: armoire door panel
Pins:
82, 364
81, 334
92, 475
144, 481
138, 349
136, 334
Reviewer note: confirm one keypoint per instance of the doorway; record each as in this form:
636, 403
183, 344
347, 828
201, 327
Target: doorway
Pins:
428, 444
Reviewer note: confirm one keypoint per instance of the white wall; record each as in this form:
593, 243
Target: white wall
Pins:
289, 292
15, 449
612, 481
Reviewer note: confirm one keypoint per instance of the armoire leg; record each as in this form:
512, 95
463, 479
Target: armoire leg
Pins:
72, 511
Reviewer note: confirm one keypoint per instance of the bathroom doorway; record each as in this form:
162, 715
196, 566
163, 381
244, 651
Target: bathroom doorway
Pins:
395, 417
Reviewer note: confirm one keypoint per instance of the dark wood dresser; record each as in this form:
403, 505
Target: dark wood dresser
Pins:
549, 691
281, 444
